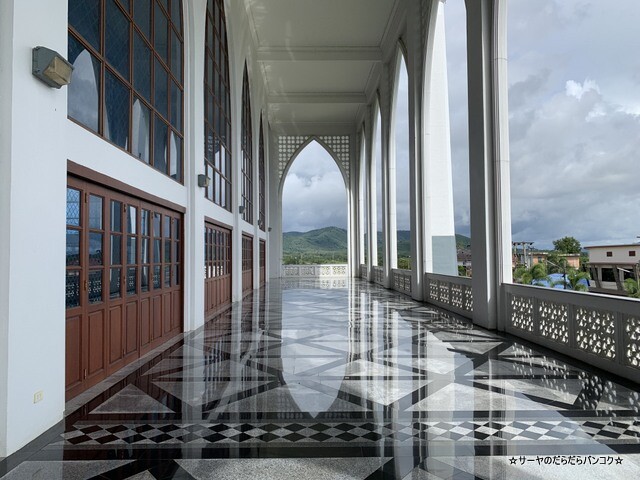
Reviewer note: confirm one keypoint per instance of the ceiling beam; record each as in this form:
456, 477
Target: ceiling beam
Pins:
320, 54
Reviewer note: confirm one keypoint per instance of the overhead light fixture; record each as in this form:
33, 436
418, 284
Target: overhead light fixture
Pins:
203, 181
241, 209
50, 67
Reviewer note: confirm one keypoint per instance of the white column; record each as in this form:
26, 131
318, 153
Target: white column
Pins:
387, 215
416, 183
359, 177
33, 121
392, 223
353, 252
274, 206
488, 158
194, 15
371, 197
440, 241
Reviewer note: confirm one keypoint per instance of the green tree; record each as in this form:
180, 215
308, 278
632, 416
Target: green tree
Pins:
556, 263
567, 245
527, 276
632, 287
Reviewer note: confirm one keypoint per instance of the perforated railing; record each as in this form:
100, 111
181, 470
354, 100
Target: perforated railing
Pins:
363, 271
449, 292
598, 329
315, 271
378, 275
402, 280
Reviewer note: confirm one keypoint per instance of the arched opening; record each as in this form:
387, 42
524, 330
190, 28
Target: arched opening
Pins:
439, 225
456, 52
400, 126
363, 192
574, 116
314, 209
377, 187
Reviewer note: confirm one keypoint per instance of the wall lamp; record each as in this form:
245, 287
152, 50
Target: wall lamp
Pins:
50, 67
203, 181
241, 209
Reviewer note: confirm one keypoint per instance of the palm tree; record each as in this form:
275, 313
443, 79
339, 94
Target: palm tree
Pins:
528, 276
572, 280
632, 287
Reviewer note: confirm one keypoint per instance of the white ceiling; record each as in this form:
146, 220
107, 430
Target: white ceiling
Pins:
319, 58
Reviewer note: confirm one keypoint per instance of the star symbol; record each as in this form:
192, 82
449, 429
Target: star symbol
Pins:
619, 461
512, 461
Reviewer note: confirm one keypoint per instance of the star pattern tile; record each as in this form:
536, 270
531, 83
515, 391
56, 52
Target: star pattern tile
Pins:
308, 381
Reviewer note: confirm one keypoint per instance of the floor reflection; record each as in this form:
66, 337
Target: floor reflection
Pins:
347, 380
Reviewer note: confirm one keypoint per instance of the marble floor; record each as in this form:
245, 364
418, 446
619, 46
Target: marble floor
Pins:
345, 381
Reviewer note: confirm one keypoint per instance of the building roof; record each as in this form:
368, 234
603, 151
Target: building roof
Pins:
634, 245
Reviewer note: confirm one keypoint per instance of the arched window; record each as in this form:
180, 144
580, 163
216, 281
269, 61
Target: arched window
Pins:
402, 165
377, 186
247, 149
363, 199
217, 106
261, 180
128, 78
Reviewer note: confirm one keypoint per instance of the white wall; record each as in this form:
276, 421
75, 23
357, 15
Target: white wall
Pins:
619, 254
33, 308
6, 85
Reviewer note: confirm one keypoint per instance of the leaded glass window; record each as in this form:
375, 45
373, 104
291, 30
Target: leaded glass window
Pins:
128, 76
261, 180
217, 123
247, 149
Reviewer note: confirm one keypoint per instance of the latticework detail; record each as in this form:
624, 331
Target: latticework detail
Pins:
433, 289
632, 341
457, 296
521, 313
554, 321
339, 145
595, 332
468, 301
443, 296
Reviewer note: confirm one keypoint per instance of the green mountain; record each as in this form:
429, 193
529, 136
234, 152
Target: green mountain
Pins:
323, 240
329, 244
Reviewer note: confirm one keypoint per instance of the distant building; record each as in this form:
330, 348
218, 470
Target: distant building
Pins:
464, 260
611, 265
572, 259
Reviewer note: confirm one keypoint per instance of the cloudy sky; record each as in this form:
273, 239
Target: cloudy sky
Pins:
574, 108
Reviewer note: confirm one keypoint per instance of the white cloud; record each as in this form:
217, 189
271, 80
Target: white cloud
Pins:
314, 194
577, 89
574, 100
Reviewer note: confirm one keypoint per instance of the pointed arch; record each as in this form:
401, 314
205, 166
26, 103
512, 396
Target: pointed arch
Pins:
399, 162
363, 203
297, 152
377, 186
247, 150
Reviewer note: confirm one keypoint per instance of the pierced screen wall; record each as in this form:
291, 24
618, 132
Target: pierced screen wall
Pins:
339, 145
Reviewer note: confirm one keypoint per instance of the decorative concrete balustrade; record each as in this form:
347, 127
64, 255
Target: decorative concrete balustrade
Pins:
452, 293
401, 280
315, 271
600, 330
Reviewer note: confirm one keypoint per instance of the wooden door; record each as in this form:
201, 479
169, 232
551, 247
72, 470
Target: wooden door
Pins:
122, 298
247, 264
217, 267
263, 262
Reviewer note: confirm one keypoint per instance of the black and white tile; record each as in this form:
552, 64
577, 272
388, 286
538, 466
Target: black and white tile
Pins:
307, 381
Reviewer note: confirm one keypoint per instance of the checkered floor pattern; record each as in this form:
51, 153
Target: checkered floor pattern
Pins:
604, 431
